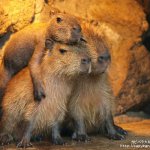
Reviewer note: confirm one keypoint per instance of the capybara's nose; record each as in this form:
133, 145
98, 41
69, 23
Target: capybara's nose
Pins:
85, 61
104, 57
77, 29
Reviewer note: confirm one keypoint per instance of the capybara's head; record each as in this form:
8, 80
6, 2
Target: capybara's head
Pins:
65, 28
68, 60
98, 49
102, 60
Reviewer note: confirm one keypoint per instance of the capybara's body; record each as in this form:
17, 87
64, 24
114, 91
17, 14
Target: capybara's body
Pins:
26, 47
60, 67
19, 105
92, 102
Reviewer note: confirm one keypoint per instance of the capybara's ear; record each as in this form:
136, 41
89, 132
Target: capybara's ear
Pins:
49, 44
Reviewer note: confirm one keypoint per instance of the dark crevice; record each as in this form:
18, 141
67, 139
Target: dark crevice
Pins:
4, 38
146, 36
143, 107
146, 39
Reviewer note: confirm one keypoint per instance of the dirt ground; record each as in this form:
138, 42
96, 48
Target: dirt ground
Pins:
138, 138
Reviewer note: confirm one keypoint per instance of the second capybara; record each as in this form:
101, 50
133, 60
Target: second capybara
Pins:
92, 102
22, 116
26, 47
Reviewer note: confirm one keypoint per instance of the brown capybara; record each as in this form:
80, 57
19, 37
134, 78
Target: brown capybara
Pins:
26, 47
92, 102
60, 67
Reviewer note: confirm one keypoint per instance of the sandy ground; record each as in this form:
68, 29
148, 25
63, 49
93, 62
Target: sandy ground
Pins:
138, 138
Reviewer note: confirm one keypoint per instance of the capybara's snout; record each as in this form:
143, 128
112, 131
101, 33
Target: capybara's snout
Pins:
103, 61
104, 57
86, 64
76, 34
76, 29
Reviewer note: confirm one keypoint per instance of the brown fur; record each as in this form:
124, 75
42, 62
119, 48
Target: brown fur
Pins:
92, 97
59, 70
27, 47
92, 101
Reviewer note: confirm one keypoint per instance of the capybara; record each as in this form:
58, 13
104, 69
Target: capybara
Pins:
22, 116
92, 102
26, 47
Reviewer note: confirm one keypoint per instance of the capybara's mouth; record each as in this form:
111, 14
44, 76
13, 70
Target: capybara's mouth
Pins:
77, 39
100, 69
86, 69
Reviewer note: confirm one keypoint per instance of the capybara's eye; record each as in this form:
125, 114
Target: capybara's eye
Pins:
62, 51
59, 19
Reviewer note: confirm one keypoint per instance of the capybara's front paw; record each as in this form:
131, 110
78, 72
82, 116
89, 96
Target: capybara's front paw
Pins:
121, 130
116, 136
80, 137
5, 139
119, 133
24, 143
58, 141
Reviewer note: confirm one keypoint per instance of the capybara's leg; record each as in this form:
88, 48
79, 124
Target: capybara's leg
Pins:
6, 128
56, 137
34, 67
80, 131
25, 141
112, 131
5, 138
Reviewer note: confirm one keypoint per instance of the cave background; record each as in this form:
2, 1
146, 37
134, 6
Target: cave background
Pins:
125, 25
146, 42
146, 35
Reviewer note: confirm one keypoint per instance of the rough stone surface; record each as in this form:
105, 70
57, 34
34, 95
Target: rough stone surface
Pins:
121, 24
146, 6
18, 13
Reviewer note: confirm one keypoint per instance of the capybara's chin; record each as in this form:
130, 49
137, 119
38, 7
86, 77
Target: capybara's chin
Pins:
101, 68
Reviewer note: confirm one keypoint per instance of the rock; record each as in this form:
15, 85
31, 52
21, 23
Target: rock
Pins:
15, 15
146, 6
136, 87
4, 21
18, 13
